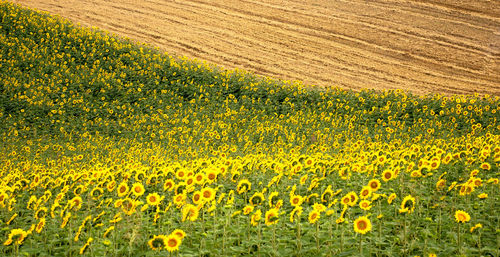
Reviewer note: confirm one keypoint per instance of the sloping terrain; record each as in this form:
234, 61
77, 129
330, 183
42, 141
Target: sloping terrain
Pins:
427, 46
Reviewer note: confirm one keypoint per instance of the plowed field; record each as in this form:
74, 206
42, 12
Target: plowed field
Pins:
446, 46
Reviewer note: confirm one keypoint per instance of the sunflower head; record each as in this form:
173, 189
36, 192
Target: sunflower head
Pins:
272, 217
407, 205
172, 243
153, 199
256, 199
362, 225
179, 233
461, 216
158, 242
314, 216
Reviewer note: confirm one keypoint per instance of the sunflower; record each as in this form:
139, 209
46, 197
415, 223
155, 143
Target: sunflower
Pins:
199, 178
243, 186
211, 175
180, 174
256, 217
296, 200
353, 199
272, 217
158, 242
168, 185
153, 199
41, 212
128, 206
314, 216
96, 193
257, 198
319, 207
272, 198
179, 233
138, 189
485, 166
86, 245
362, 225
107, 231
365, 205
407, 205
391, 198
461, 216
440, 184
208, 194
247, 209
374, 185
75, 203
173, 243
478, 225
482, 196
180, 199
387, 175
189, 212
40, 225
122, 189
345, 200
140, 176
327, 195
296, 212
110, 186
197, 199
16, 236
365, 192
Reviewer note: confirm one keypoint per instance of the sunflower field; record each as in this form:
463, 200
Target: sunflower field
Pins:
110, 147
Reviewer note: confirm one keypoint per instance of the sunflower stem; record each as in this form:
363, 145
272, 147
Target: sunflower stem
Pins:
404, 234
459, 240
317, 236
274, 239
341, 238
299, 242
360, 245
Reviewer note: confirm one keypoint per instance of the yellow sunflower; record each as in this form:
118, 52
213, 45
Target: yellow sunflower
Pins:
158, 242
138, 189
314, 216
179, 233
362, 225
461, 216
365, 205
407, 205
387, 175
374, 185
243, 186
173, 243
257, 198
296, 200
208, 194
16, 236
366, 192
189, 212
272, 217
122, 189
40, 225
153, 199
256, 217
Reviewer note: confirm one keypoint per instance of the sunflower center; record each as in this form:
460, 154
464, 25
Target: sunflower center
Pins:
172, 242
362, 225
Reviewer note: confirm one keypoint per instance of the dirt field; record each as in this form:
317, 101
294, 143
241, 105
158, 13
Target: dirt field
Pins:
447, 46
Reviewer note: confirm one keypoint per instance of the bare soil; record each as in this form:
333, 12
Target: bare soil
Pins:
427, 46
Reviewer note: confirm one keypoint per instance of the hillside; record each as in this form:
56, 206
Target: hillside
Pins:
448, 47
113, 148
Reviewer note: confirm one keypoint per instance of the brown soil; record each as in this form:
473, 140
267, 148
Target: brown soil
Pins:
427, 46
